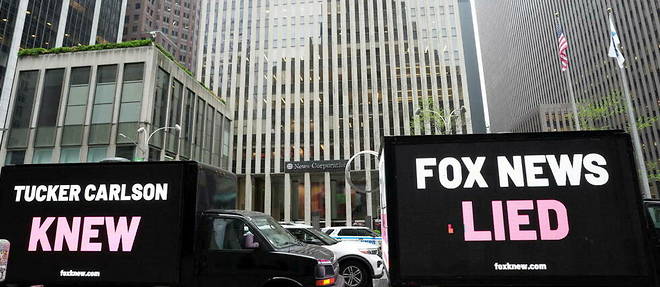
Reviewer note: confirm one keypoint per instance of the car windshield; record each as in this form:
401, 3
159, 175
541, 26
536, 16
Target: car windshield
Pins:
274, 233
371, 232
322, 236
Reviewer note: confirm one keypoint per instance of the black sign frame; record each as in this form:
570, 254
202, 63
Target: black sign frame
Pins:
633, 203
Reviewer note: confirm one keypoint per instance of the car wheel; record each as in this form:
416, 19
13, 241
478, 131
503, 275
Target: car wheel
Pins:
355, 274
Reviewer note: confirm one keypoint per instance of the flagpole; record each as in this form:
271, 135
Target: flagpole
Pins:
569, 82
643, 176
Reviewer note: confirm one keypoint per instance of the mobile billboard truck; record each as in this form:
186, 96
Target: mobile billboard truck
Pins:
143, 224
551, 209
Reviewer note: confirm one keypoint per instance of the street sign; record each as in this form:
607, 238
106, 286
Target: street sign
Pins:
314, 166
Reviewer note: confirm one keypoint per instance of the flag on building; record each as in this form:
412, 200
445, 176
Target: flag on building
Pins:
563, 48
615, 51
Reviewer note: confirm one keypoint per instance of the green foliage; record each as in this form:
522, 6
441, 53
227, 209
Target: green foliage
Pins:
653, 174
104, 46
594, 115
435, 116
107, 46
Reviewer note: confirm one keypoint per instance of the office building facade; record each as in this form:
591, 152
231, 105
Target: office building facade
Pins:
526, 90
313, 82
52, 23
87, 106
171, 23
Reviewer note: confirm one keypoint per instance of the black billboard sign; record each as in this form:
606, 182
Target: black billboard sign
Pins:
100, 223
315, 166
533, 209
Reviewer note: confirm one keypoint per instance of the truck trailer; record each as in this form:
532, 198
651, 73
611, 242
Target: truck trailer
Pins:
144, 224
535, 209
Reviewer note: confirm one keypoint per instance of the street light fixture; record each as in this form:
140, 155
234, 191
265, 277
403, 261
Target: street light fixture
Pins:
176, 127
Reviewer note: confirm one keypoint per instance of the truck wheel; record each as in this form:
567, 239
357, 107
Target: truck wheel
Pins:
355, 274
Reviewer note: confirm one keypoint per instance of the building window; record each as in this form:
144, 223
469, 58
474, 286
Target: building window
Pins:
22, 112
42, 155
225, 143
199, 129
188, 118
97, 153
15, 157
174, 117
131, 100
297, 197
76, 106
70, 155
103, 103
49, 107
160, 105
125, 151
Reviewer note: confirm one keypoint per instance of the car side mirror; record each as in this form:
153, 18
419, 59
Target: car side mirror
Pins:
250, 242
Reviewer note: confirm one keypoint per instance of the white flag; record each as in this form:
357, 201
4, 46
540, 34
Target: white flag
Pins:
614, 51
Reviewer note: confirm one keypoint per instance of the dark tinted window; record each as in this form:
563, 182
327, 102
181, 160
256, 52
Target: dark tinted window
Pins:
50, 99
133, 72
348, 232
654, 213
365, 232
80, 76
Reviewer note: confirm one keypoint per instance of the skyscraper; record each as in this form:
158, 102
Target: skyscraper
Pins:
171, 23
526, 90
49, 24
312, 82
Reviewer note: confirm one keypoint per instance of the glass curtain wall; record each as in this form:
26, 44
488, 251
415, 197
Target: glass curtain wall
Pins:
21, 115
104, 98
129, 110
79, 20
74, 115
160, 113
175, 119
108, 21
188, 128
41, 22
47, 116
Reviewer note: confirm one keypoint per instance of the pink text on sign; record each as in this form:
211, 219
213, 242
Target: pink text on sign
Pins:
545, 209
83, 233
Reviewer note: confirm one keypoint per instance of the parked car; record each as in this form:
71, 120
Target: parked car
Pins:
359, 262
354, 233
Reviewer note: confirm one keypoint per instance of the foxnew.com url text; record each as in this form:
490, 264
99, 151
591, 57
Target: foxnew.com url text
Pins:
518, 266
71, 273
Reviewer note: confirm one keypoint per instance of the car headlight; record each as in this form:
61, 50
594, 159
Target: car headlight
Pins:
373, 251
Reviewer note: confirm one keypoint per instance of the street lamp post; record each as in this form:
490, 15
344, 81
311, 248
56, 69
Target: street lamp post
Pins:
142, 147
446, 119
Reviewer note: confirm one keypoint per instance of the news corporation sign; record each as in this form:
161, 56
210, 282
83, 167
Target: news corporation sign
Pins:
315, 166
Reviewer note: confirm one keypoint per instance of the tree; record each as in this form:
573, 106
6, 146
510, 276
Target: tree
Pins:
440, 122
595, 115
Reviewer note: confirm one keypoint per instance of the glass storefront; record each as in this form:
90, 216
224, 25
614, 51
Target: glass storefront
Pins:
359, 204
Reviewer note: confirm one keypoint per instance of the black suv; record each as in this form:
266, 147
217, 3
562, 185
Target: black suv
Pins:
251, 249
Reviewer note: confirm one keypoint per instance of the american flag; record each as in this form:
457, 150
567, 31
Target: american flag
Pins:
563, 47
